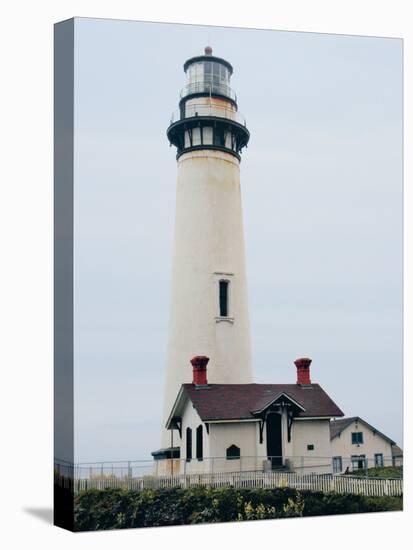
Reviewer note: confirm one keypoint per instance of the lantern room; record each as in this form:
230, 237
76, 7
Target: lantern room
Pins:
208, 116
207, 74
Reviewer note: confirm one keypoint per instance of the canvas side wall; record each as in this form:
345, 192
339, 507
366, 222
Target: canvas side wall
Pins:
63, 272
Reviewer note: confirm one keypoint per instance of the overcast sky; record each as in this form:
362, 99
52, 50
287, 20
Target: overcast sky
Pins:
322, 200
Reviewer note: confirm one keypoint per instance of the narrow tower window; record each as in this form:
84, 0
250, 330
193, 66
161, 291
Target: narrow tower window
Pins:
219, 139
223, 298
199, 443
188, 444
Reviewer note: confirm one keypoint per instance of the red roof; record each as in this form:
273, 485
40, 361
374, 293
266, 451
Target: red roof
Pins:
240, 401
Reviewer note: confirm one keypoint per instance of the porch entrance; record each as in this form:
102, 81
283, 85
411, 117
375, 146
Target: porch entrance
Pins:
274, 445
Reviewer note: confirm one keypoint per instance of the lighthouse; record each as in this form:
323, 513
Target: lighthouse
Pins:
209, 306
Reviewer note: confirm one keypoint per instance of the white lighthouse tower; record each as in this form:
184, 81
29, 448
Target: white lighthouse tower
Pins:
209, 309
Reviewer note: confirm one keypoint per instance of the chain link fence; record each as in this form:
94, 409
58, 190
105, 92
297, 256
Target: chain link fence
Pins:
135, 469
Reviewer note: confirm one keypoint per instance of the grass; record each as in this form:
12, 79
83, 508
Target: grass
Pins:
386, 472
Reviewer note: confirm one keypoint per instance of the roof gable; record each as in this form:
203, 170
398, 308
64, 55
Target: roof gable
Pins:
178, 407
265, 403
338, 426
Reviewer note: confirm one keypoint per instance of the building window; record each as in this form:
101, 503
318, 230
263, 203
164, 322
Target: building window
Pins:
228, 140
196, 136
358, 462
337, 464
223, 298
207, 135
199, 443
188, 444
310, 447
357, 438
233, 453
186, 139
378, 460
219, 138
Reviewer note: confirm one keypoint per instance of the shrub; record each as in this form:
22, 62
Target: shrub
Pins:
120, 508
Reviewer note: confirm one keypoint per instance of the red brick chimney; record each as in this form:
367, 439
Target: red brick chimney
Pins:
303, 370
199, 370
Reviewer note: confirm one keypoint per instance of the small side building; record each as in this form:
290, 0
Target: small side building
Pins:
252, 427
356, 444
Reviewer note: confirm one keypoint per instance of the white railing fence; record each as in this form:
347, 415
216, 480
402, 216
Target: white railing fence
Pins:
305, 473
264, 480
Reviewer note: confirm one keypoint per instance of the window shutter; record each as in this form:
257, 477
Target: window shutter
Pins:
188, 444
199, 443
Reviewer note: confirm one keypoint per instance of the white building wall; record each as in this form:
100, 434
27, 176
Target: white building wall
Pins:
209, 245
191, 419
311, 432
373, 443
242, 434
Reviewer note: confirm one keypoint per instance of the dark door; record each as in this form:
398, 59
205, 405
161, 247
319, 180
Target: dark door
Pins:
358, 461
274, 447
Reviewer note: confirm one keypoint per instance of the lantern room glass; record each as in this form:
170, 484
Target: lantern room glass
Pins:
208, 76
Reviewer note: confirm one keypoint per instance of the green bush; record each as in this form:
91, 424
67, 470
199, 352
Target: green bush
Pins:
119, 508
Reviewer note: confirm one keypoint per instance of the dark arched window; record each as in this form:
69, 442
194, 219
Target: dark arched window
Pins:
199, 443
188, 444
223, 298
233, 452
